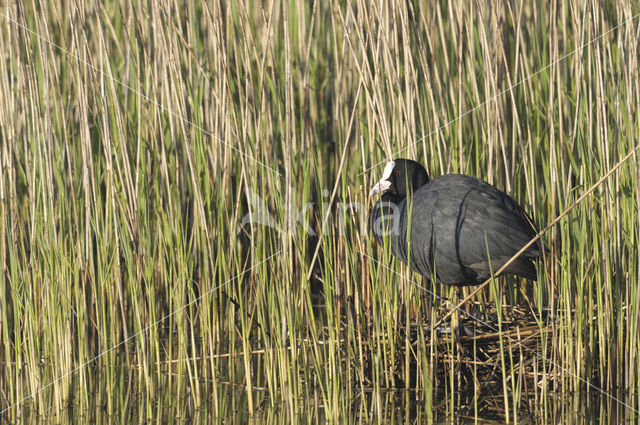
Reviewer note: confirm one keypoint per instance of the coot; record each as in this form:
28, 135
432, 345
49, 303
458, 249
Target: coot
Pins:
449, 228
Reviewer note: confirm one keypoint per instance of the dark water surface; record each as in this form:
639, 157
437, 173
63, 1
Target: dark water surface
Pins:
132, 398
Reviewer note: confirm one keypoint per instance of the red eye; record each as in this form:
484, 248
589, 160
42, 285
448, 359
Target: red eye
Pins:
398, 173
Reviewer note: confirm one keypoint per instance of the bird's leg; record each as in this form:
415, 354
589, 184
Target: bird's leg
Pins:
456, 328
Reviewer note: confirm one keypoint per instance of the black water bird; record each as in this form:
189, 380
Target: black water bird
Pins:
455, 229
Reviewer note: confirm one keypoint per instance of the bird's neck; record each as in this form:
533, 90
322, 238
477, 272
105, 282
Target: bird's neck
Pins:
393, 198
385, 214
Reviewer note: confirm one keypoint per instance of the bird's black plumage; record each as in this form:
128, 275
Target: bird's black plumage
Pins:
456, 222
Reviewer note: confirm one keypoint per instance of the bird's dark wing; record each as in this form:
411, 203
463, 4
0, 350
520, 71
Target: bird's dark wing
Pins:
456, 220
491, 225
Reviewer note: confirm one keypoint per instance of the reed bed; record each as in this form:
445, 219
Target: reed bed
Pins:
183, 203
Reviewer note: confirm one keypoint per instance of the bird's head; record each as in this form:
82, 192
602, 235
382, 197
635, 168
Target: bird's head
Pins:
401, 176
